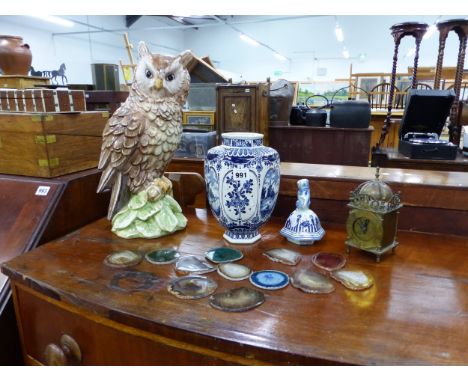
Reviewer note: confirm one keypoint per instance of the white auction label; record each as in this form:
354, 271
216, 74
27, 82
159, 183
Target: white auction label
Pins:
42, 190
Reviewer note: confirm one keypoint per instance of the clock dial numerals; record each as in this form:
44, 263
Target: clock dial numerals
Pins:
364, 229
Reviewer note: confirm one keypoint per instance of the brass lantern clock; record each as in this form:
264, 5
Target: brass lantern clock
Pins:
373, 217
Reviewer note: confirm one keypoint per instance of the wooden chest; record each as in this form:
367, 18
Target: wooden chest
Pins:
42, 100
243, 108
22, 82
50, 144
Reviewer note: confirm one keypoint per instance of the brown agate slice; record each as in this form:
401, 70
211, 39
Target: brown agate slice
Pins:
329, 261
192, 287
311, 282
237, 300
354, 280
122, 259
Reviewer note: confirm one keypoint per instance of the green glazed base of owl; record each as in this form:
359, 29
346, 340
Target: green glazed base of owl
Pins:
143, 218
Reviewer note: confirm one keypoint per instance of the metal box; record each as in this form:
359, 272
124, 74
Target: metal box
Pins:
195, 143
202, 97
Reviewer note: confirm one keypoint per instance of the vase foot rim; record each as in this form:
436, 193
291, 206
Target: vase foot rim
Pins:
250, 240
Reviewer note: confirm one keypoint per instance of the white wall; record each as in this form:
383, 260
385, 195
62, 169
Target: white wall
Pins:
309, 42
79, 51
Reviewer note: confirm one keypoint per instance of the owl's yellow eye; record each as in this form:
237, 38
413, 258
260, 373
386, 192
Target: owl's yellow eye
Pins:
148, 73
169, 77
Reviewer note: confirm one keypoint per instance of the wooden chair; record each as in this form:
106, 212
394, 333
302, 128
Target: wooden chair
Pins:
380, 94
188, 189
352, 93
404, 96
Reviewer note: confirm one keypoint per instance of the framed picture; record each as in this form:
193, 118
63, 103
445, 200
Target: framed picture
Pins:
366, 84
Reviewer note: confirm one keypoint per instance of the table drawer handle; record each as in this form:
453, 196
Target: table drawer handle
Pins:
68, 353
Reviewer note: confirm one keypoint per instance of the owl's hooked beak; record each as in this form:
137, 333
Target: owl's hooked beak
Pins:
158, 83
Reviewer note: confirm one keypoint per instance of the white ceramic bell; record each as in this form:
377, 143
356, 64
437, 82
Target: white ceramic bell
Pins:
303, 225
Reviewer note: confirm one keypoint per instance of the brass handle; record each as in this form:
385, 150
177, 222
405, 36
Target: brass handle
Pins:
67, 354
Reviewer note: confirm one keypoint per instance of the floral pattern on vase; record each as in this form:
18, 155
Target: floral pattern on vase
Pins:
242, 180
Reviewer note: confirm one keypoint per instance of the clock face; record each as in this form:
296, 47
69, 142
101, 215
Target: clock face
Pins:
364, 229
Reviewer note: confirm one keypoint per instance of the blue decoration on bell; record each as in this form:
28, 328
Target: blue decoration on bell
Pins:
303, 225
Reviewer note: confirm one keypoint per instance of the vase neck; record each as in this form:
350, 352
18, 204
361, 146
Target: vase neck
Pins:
242, 139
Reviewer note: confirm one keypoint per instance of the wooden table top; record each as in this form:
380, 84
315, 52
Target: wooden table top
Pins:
416, 313
388, 175
383, 112
321, 128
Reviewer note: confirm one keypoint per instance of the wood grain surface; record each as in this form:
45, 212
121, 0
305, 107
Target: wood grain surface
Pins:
415, 314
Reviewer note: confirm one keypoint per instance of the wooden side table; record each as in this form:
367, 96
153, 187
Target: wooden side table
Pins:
63, 288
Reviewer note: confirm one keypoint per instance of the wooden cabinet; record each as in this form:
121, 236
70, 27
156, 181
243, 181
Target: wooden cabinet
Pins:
322, 145
50, 144
243, 108
34, 211
63, 288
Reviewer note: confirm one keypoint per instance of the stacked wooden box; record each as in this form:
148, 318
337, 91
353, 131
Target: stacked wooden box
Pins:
50, 144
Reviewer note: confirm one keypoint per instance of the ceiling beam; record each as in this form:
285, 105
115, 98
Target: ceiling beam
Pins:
182, 27
181, 20
131, 19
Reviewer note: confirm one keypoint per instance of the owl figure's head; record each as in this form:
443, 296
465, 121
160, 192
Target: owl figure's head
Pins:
161, 76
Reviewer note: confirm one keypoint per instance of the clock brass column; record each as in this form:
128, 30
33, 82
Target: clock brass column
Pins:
373, 218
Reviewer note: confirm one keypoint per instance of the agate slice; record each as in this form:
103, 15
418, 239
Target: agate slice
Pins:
122, 259
311, 282
163, 256
133, 281
223, 255
283, 255
234, 272
192, 264
237, 300
192, 287
329, 261
354, 280
269, 279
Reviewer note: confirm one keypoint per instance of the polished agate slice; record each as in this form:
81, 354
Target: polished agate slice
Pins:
354, 280
329, 261
283, 255
223, 255
122, 259
192, 287
234, 272
192, 264
269, 279
237, 300
162, 256
311, 282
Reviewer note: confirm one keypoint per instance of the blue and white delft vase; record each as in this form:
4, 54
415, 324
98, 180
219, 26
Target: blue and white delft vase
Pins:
242, 182
303, 225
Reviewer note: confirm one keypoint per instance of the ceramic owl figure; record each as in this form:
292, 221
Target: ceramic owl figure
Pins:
139, 141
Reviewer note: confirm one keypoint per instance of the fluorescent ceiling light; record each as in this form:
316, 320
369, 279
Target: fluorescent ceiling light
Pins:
430, 31
280, 57
339, 33
345, 53
249, 40
54, 20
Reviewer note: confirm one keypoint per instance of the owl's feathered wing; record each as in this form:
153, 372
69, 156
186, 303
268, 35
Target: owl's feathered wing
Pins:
138, 143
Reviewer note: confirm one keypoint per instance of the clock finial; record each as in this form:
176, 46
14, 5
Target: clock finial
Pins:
377, 173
